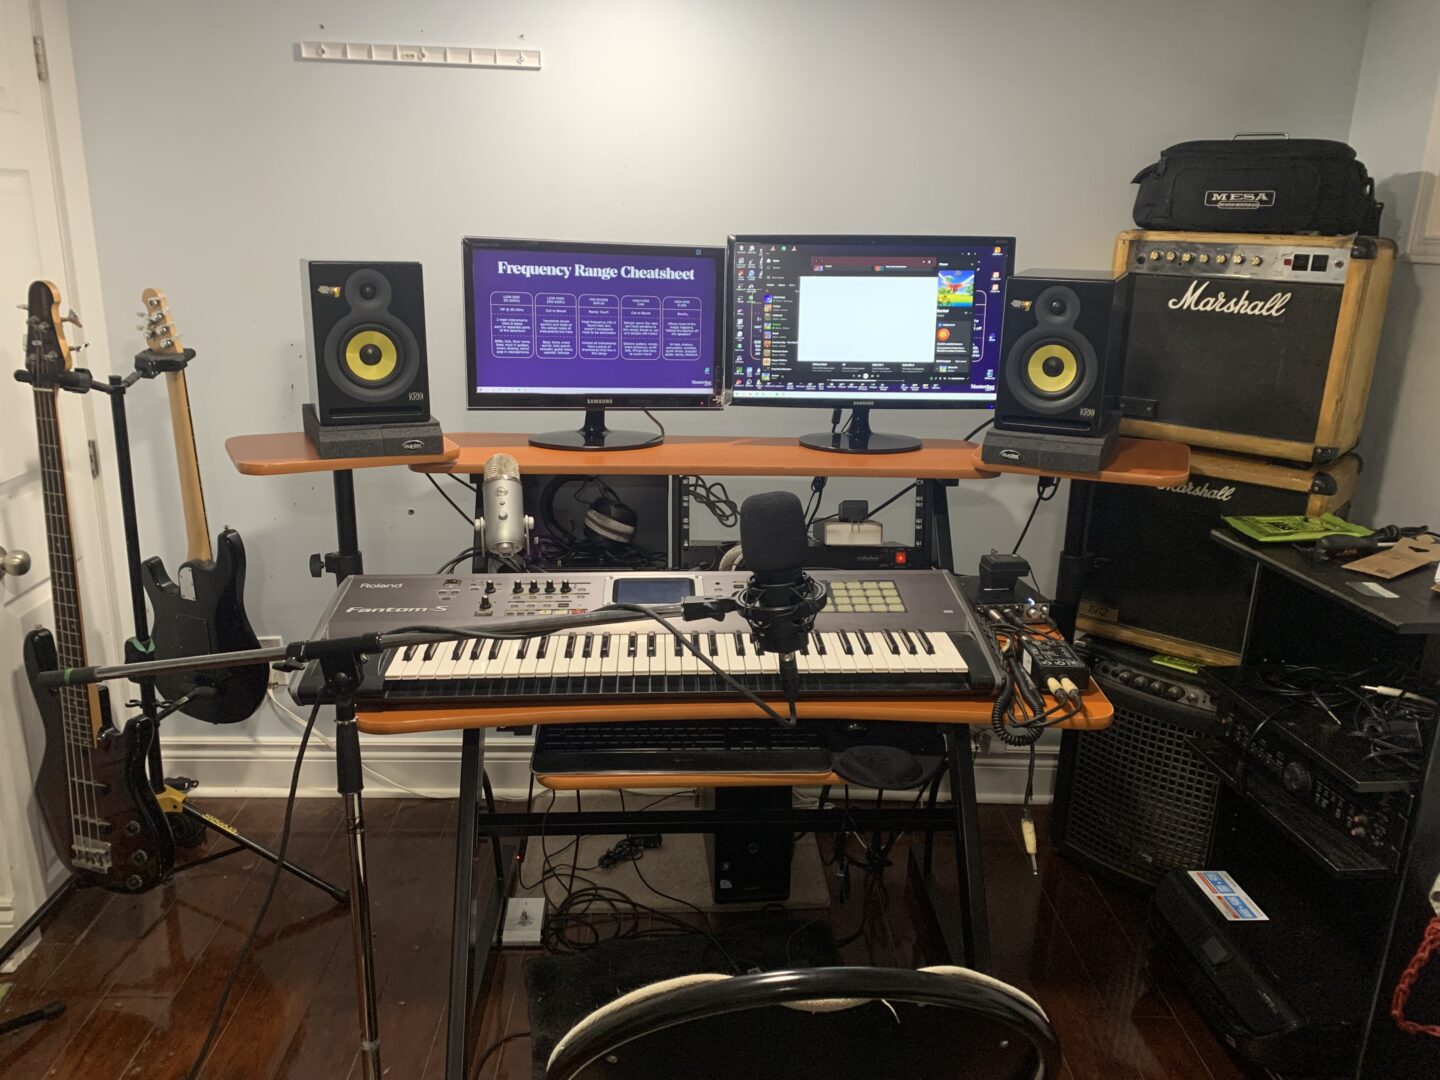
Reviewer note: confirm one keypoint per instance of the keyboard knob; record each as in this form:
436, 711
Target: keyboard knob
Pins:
534, 587
550, 586
484, 603
518, 588
564, 586
489, 587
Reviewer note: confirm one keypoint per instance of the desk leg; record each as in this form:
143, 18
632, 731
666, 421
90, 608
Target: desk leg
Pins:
474, 929
345, 559
969, 942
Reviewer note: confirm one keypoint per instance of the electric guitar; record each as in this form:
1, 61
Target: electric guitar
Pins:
92, 785
203, 610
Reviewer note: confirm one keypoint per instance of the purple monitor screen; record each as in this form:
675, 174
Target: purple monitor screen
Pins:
569, 321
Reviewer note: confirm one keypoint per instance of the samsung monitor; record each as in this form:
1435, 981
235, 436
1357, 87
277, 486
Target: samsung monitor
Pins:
593, 326
855, 322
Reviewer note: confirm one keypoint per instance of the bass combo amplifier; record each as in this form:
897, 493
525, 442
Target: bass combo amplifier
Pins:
1254, 344
1136, 799
1157, 580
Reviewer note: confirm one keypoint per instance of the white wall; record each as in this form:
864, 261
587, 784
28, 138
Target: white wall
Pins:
1394, 104
217, 162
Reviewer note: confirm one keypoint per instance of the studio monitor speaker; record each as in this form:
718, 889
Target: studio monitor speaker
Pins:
366, 327
1062, 343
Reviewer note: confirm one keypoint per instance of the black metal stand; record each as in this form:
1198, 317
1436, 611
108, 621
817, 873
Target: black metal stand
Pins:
172, 794
594, 435
345, 559
857, 438
18, 938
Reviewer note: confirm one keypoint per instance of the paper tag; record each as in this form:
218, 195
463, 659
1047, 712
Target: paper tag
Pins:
1405, 555
1229, 898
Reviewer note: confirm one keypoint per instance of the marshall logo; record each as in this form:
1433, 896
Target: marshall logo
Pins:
382, 584
1240, 200
1204, 491
1196, 299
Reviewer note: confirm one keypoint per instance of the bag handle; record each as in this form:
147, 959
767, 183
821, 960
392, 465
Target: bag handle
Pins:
1259, 135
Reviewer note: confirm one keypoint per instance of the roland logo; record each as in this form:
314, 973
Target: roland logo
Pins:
382, 584
1198, 298
1217, 492
412, 446
1248, 199
599, 401
1010, 455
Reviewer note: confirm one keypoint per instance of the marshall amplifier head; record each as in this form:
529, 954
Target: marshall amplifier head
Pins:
1250, 343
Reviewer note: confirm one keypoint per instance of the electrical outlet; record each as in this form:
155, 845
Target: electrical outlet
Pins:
268, 641
523, 916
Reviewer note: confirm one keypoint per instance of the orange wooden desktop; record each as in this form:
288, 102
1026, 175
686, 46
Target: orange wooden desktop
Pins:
1135, 462
716, 455
287, 452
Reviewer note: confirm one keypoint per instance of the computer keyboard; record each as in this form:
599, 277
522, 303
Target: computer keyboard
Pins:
680, 747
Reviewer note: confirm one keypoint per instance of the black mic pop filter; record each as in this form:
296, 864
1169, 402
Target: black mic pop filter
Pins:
772, 534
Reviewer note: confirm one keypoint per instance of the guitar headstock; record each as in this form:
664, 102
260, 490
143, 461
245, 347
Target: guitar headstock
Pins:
161, 334
47, 353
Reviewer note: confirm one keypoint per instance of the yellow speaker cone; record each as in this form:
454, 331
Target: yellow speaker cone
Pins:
371, 356
1052, 369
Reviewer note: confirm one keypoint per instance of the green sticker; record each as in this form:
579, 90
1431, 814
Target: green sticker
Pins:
1179, 663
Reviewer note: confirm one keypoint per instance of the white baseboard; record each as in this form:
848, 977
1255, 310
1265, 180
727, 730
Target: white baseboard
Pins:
398, 767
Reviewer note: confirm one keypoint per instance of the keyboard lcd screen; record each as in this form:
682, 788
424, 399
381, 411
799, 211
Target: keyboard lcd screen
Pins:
667, 590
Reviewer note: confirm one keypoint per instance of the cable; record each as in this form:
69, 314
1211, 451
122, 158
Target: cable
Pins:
899, 494
1045, 489
979, 429
461, 481
469, 520
496, 1045
711, 494
654, 421
219, 1014
817, 489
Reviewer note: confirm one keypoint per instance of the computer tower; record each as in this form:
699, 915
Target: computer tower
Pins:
749, 865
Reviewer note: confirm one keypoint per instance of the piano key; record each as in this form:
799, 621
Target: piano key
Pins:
510, 660
395, 664
728, 661
925, 642
632, 645
591, 655
908, 642
610, 653
449, 657
650, 644
495, 648
846, 644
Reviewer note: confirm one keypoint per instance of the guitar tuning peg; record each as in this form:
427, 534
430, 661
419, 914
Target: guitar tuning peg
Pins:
72, 318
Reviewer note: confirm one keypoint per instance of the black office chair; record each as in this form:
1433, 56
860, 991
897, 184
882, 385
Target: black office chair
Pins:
837, 1023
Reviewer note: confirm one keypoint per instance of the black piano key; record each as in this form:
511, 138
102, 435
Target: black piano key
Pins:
476, 647
908, 641
569, 646
925, 643
409, 652
495, 647
891, 642
739, 643
429, 651
632, 645
604, 646
865, 643
845, 644
588, 646
679, 646
695, 643
455, 652
714, 649
544, 647
650, 643
523, 649
819, 645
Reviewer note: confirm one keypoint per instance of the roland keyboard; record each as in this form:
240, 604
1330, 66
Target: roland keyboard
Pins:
905, 633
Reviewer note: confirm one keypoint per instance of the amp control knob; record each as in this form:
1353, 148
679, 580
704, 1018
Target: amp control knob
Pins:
1125, 676
1174, 693
1296, 778
1256, 260
1154, 256
1221, 260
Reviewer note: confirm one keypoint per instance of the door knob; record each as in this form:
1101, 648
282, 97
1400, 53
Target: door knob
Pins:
14, 562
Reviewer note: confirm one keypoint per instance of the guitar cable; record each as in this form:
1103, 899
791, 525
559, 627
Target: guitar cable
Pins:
219, 1015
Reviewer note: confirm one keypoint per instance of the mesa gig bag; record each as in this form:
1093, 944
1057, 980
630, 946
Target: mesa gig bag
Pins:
1258, 184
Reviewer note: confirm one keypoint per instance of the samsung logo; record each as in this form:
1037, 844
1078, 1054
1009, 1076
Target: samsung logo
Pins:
1240, 200
1196, 299
599, 401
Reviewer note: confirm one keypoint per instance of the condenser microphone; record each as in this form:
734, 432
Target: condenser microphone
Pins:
782, 600
504, 528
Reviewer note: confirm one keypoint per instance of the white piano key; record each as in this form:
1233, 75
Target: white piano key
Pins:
394, 666
610, 665
591, 664
448, 664
568, 641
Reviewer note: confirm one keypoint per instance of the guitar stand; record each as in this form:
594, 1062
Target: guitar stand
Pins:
15, 940
187, 821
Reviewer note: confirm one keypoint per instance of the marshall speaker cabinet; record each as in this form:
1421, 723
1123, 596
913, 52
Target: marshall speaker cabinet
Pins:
1255, 344
1158, 581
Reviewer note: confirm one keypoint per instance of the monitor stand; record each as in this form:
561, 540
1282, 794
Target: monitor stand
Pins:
859, 439
595, 436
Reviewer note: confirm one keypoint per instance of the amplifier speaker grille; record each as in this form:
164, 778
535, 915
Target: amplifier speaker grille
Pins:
1138, 799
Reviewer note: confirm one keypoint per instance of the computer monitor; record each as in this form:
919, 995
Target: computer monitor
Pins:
553, 325
905, 322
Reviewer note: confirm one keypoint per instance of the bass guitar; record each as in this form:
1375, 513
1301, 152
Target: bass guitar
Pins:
93, 789
203, 609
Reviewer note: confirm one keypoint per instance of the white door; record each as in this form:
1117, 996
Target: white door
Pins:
34, 243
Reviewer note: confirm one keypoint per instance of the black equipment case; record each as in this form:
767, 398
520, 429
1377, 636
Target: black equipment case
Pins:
1258, 185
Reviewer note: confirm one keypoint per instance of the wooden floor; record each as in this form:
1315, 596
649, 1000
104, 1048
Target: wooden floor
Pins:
141, 975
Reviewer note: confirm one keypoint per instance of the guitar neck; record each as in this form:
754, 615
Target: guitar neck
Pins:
79, 707
192, 495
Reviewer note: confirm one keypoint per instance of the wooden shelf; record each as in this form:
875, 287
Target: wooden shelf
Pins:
1134, 462
291, 452
715, 455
